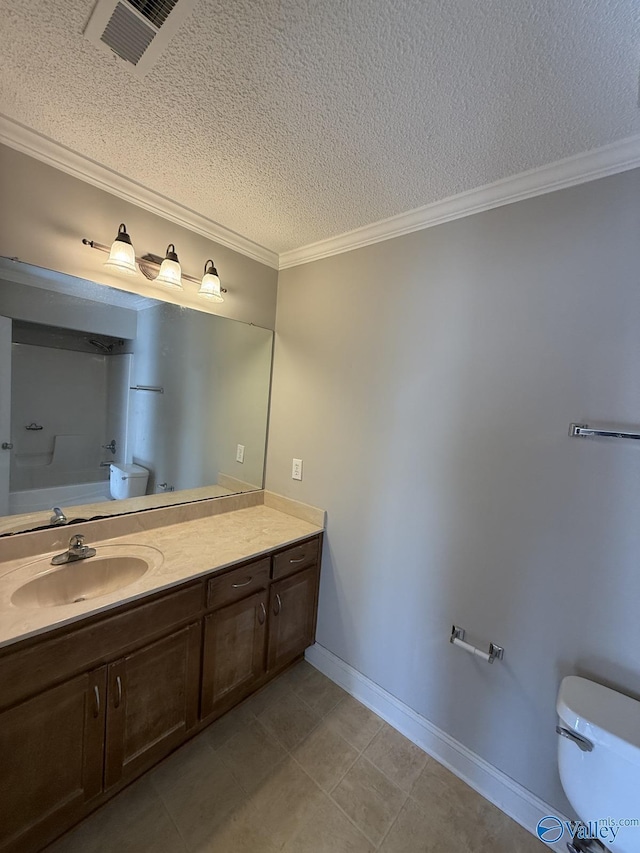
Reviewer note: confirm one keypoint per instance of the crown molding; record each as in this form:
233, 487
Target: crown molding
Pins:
610, 159
589, 166
42, 148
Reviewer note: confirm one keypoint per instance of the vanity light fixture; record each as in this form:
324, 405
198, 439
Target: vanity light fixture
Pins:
170, 270
210, 285
122, 256
166, 271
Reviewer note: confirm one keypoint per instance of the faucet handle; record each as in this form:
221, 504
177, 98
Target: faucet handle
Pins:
58, 516
76, 541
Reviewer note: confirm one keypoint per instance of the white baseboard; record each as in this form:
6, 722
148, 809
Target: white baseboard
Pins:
505, 793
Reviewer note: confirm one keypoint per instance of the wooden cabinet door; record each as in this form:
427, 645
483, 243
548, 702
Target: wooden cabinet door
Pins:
51, 760
292, 616
152, 703
234, 652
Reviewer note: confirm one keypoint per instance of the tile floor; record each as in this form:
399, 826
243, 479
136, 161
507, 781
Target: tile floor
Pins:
301, 767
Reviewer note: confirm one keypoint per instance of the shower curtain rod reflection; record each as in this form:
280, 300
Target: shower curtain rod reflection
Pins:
157, 388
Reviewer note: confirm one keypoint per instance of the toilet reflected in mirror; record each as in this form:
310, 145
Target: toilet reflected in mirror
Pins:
127, 481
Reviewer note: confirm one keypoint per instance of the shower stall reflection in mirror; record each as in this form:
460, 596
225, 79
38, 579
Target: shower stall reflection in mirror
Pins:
74, 389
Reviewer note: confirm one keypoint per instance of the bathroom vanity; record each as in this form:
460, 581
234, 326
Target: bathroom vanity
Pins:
92, 701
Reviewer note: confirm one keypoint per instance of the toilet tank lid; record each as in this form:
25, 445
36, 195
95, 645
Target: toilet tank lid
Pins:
602, 715
130, 470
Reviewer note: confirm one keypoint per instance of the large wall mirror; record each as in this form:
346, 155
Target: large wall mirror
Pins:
111, 402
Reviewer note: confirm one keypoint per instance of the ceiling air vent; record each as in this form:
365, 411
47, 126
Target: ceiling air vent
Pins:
136, 30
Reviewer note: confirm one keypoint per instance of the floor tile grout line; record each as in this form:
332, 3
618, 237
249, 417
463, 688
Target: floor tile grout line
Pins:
352, 746
386, 775
388, 778
373, 736
274, 740
170, 816
375, 844
315, 726
406, 797
329, 792
393, 823
350, 767
289, 751
334, 803
371, 739
329, 710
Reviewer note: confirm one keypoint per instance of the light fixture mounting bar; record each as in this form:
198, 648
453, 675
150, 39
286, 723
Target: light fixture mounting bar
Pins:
146, 264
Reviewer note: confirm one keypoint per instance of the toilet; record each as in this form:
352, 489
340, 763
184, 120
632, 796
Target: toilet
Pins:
127, 481
599, 759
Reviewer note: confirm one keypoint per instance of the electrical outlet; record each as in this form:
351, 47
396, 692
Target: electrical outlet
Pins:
240, 453
296, 470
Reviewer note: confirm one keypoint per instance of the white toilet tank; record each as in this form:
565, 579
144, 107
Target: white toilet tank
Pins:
605, 782
127, 481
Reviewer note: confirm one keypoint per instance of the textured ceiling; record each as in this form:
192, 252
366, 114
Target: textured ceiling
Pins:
289, 121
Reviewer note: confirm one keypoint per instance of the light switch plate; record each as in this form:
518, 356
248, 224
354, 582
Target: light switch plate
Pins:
296, 469
240, 453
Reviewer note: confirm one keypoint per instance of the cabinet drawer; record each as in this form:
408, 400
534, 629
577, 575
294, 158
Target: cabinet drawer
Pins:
237, 584
293, 559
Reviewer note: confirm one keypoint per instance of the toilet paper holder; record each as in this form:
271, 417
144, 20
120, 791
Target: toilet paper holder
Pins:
457, 638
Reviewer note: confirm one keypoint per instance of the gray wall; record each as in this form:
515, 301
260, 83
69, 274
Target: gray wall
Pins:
428, 383
242, 401
215, 375
170, 433
45, 213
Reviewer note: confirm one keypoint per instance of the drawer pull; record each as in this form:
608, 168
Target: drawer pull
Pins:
116, 704
298, 561
238, 585
278, 602
96, 694
262, 613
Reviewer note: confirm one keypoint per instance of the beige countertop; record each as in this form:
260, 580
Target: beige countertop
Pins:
30, 520
189, 549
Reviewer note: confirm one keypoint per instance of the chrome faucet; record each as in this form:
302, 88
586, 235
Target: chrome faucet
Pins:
58, 516
77, 551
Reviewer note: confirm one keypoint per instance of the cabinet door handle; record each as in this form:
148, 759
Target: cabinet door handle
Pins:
262, 613
298, 561
96, 696
116, 704
279, 605
238, 585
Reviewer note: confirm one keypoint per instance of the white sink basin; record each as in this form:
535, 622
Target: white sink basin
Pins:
113, 567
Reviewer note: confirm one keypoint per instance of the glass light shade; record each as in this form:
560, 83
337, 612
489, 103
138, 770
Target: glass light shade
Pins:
170, 271
122, 257
210, 286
